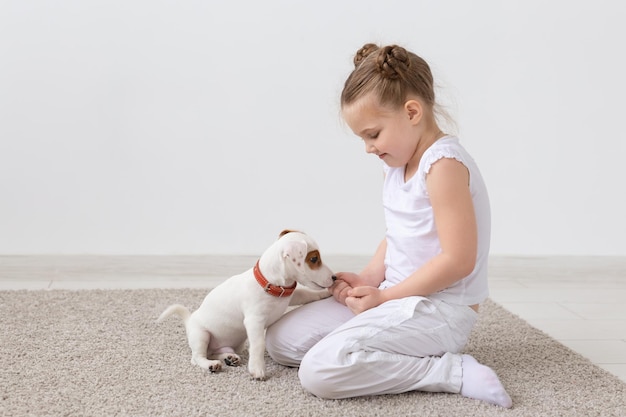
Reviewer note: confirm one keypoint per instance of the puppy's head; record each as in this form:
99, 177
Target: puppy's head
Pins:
302, 257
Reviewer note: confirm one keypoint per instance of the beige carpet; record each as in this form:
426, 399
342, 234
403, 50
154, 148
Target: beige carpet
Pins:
100, 353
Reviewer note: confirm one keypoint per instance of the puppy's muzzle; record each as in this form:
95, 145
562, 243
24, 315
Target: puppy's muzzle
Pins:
334, 278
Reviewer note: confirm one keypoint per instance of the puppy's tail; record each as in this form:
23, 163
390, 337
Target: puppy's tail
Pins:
180, 310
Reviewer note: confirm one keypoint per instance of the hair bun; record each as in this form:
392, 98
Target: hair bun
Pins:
393, 61
364, 52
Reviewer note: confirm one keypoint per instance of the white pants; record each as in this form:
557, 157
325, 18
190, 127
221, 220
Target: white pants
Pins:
402, 345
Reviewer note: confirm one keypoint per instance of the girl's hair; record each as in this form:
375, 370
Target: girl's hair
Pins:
392, 73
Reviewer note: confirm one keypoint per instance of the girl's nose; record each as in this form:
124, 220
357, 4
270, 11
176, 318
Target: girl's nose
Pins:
369, 148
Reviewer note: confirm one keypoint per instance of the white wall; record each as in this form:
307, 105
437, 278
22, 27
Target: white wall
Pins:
173, 127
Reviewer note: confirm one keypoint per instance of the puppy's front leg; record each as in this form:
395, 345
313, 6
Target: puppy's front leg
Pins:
255, 328
306, 295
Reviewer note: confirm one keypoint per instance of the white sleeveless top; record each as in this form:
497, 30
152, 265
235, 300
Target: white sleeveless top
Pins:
411, 232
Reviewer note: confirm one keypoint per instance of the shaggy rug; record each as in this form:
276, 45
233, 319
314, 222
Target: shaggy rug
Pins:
100, 353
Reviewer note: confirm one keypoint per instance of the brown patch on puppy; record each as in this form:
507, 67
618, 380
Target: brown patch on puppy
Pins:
284, 232
314, 260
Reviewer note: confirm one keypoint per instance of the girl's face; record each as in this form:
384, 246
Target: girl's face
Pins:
388, 133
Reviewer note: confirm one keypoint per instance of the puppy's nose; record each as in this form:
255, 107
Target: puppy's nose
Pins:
334, 277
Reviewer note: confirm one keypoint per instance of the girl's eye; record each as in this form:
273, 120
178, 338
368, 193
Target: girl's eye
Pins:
369, 136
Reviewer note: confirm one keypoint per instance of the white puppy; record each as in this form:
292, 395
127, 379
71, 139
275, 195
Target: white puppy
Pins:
244, 305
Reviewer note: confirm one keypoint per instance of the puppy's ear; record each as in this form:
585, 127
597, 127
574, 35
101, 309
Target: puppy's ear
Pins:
295, 252
284, 232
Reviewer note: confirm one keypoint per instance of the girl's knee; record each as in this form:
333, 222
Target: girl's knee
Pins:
312, 382
278, 350
318, 378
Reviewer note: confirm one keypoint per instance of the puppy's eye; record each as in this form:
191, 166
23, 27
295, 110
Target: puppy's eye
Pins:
314, 259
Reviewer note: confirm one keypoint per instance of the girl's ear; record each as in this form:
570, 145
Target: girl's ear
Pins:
414, 111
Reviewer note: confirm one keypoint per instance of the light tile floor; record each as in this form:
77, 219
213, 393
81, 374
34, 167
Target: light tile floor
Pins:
576, 300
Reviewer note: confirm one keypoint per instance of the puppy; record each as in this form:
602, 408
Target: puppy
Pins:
244, 305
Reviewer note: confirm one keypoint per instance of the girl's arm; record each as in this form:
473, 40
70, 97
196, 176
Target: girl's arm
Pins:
455, 220
374, 272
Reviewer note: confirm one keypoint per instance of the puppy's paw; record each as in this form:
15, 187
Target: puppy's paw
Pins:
257, 372
232, 360
259, 376
206, 364
307, 295
324, 294
215, 366
315, 295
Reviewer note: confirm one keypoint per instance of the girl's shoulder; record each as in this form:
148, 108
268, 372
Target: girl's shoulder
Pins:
446, 147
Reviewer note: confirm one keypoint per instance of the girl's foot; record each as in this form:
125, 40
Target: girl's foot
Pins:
482, 383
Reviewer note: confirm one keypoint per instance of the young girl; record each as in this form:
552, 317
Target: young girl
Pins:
400, 324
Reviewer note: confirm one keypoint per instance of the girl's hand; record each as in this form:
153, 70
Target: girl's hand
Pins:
361, 299
343, 284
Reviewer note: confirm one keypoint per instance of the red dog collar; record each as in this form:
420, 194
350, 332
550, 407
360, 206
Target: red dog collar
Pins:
275, 290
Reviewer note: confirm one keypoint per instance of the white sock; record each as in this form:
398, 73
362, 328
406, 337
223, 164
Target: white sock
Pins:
482, 383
